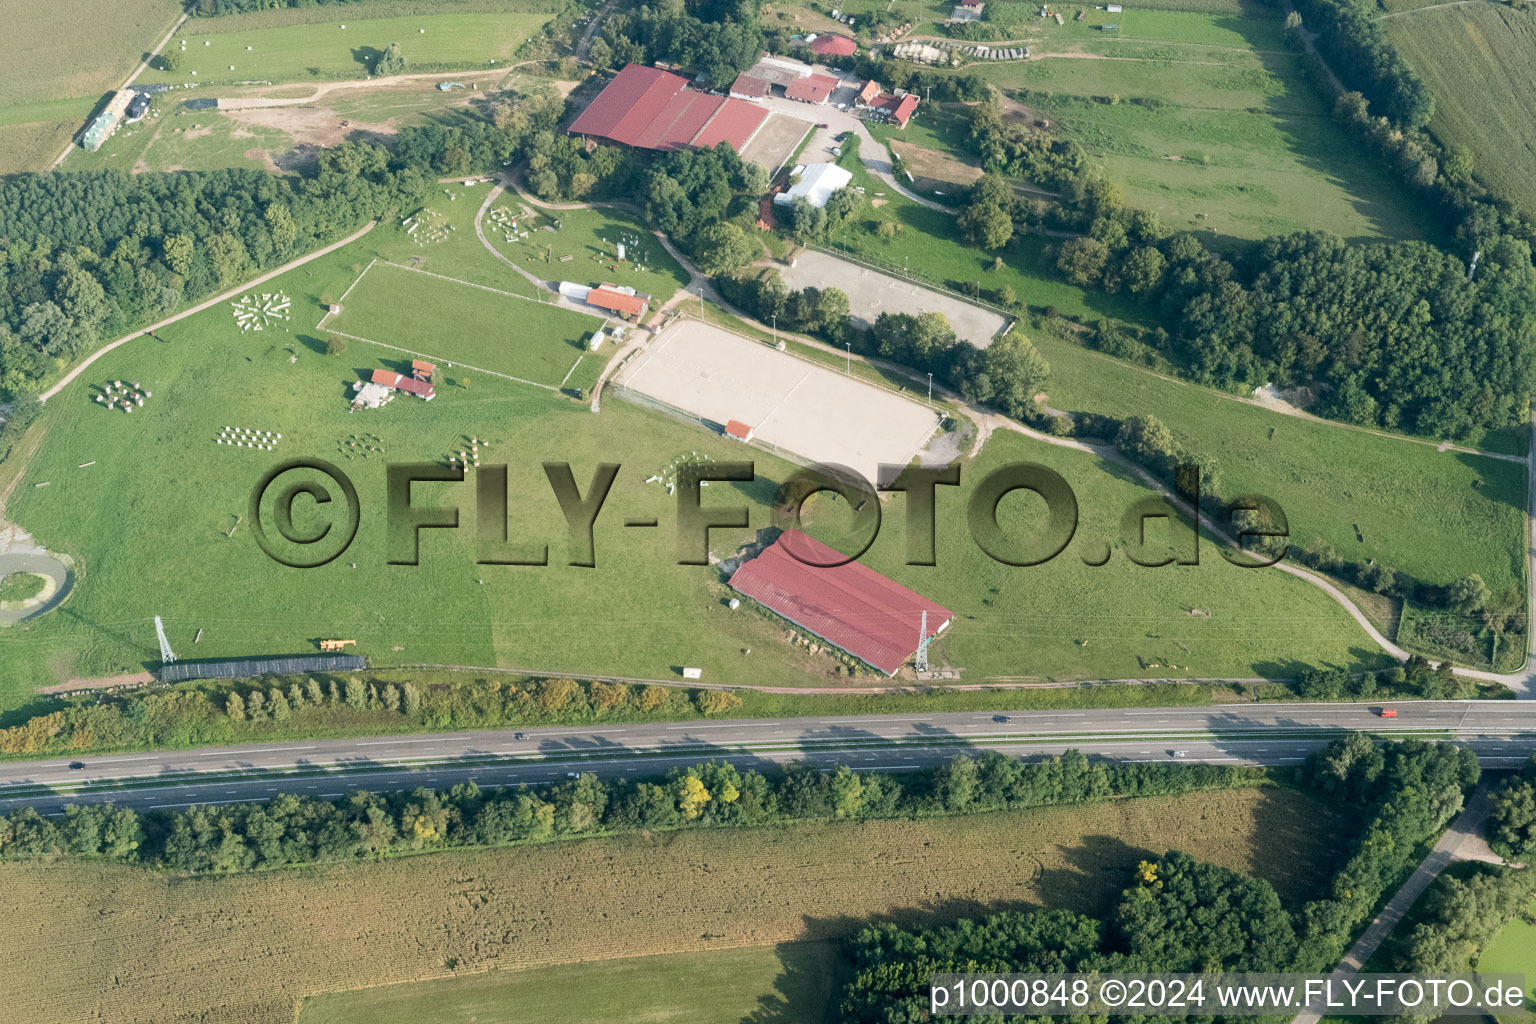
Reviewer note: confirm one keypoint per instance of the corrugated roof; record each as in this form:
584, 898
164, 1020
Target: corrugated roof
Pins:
812, 88
653, 109
607, 298
871, 616
628, 103
244, 668
748, 84
736, 122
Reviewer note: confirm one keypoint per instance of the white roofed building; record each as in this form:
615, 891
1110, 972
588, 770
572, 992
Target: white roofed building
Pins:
817, 183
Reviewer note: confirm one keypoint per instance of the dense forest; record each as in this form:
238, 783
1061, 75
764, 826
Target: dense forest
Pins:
1181, 915
87, 256
293, 829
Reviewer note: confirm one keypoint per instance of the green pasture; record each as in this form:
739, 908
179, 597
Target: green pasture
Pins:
1438, 515
326, 50
449, 321
581, 246
1513, 951
928, 246
149, 526
792, 980
1207, 120
458, 252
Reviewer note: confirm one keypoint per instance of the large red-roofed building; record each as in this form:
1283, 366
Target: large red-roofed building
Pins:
649, 108
811, 88
871, 616
831, 44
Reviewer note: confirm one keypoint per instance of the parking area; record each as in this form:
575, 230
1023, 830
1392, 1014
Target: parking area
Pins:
871, 293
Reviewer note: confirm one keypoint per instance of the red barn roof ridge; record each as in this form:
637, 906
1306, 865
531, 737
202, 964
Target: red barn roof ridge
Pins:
851, 606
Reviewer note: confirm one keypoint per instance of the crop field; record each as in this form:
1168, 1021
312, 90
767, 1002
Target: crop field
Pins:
794, 981
1513, 951
1463, 514
170, 941
71, 49
327, 50
57, 59
1479, 61
446, 320
584, 247
1207, 120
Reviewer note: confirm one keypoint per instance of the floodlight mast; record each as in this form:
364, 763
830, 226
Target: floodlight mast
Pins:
922, 644
166, 654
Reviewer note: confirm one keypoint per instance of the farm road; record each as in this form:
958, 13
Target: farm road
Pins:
1501, 733
225, 297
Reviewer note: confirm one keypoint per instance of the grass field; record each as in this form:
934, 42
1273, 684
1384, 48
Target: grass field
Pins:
1465, 513
449, 321
793, 981
127, 945
1479, 62
325, 50
1513, 951
1207, 120
147, 523
174, 139
588, 238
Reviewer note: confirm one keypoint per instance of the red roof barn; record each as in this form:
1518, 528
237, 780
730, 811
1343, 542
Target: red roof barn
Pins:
653, 109
410, 385
606, 296
811, 88
830, 44
871, 616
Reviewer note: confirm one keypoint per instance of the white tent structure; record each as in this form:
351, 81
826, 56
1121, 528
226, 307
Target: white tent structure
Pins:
817, 183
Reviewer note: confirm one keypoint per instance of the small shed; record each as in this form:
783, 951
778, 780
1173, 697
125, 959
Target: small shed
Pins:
739, 430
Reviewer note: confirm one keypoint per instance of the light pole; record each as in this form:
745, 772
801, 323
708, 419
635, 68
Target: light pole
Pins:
701, 302
848, 366
930, 389
775, 320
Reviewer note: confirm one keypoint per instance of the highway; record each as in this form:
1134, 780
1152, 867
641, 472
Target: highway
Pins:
1502, 733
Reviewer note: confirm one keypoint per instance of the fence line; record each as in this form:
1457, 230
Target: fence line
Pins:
445, 359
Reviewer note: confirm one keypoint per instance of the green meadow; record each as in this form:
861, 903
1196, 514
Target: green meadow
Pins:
327, 50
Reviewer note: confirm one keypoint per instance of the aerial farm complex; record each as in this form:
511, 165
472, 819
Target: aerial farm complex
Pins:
590, 510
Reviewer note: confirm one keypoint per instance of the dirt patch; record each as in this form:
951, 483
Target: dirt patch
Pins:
311, 126
931, 168
127, 679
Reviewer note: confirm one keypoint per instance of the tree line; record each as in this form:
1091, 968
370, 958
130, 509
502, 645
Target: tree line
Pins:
293, 829
211, 714
1401, 335
1512, 818
1182, 915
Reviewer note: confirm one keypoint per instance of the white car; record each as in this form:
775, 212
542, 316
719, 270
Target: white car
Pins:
1181, 753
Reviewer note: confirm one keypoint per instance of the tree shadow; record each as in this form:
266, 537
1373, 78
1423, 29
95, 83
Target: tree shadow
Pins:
367, 56
805, 990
